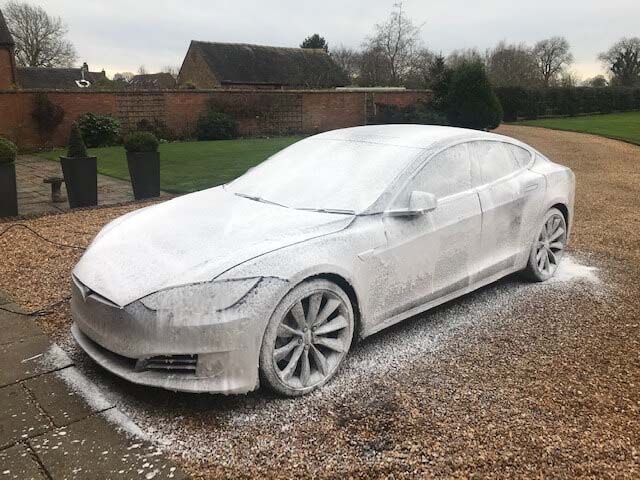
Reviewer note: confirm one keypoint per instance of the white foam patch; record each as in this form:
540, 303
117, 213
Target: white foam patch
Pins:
85, 388
572, 271
124, 423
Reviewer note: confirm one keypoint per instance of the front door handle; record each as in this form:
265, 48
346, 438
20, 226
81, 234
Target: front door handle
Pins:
530, 187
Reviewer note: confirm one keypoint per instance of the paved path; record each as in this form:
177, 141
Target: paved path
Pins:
34, 196
55, 423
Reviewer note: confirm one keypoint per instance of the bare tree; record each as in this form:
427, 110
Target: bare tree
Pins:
173, 71
142, 70
398, 41
348, 60
465, 55
512, 66
623, 61
552, 55
374, 68
124, 76
419, 75
39, 37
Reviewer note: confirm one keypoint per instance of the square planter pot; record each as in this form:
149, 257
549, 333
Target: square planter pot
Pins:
144, 168
8, 192
81, 179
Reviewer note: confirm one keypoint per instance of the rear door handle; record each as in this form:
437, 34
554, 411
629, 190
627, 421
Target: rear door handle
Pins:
530, 187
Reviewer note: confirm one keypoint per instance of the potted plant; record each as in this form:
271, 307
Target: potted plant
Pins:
80, 172
8, 192
144, 164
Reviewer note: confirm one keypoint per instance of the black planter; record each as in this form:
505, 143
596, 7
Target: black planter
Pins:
8, 192
81, 179
144, 168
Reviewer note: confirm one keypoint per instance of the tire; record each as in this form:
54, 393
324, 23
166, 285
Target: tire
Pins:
307, 338
548, 247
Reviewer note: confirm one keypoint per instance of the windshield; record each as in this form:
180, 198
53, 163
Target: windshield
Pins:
322, 174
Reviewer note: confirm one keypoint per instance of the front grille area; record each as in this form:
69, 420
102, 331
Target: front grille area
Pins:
172, 363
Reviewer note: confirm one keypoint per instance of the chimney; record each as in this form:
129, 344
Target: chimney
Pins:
7, 57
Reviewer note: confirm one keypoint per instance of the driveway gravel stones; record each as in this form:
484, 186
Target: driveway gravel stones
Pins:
516, 380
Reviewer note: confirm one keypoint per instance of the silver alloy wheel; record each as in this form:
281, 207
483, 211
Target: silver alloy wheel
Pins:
550, 244
311, 340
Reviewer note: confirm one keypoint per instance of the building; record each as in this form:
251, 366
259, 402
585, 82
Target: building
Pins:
38, 78
238, 65
7, 57
153, 81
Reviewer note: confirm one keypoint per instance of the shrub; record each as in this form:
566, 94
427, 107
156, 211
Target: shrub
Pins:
420, 113
471, 100
46, 114
77, 148
8, 151
138, 142
155, 126
99, 130
214, 125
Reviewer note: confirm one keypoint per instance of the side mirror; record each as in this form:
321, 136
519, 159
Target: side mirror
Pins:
419, 203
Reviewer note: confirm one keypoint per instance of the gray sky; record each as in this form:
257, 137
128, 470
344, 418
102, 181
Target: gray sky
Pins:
121, 35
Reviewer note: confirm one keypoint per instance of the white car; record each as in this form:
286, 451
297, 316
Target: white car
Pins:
268, 279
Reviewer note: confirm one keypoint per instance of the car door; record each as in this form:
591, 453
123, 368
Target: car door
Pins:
430, 255
509, 195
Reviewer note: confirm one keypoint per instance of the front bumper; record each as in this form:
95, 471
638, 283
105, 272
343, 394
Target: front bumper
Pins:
225, 344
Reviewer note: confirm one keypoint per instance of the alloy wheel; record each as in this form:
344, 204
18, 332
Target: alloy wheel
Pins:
311, 340
550, 244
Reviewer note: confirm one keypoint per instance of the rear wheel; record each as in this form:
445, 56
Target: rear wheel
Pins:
548, 247
307, 338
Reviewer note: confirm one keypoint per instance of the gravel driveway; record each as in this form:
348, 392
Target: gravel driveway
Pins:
514, 380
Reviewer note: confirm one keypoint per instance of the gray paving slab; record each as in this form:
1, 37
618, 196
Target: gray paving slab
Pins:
18, 463
20, 417
30, 357
92, 448
15, 327
67, 396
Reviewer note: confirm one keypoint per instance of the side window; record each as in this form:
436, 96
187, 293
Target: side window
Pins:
522, 156
495, 160
447, 173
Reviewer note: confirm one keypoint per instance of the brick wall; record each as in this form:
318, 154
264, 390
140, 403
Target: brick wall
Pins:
257, 112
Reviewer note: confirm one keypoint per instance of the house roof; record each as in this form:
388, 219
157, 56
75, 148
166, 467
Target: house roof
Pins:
6, 40
31, 78
153, 81
240, 63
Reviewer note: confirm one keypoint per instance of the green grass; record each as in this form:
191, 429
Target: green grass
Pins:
191, 166
620, 126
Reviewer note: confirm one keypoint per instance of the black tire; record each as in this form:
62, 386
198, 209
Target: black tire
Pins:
306, 349
547, 247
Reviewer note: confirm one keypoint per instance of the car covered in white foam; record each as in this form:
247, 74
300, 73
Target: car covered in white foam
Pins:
270, 278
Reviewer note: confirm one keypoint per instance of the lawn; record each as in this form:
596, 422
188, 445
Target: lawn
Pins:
621, 126
191, 166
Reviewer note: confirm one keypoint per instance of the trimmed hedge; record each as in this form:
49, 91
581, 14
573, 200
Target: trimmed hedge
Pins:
139, 142
8, 151
216, 126
420, 113
531, 103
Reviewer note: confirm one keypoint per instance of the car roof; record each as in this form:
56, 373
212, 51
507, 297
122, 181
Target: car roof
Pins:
408, 135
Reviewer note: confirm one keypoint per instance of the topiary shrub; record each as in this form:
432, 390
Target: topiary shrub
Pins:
77, 148
8, 151
216, 126
471, 100
99, 130
138, 142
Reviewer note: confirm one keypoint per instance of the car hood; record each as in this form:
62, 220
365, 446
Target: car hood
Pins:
191, 239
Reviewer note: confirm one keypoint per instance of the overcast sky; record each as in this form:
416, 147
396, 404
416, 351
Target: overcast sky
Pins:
121, 35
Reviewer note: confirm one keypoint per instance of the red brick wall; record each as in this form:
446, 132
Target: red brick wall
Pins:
257, 112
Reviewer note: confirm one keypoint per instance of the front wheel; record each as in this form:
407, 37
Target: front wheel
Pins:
548, 247
307, 338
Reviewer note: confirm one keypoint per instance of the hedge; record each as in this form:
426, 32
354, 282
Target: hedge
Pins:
531, 103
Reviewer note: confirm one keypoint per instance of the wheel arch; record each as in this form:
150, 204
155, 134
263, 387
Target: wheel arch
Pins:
563, 209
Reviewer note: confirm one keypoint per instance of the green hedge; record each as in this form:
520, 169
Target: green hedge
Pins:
531, 103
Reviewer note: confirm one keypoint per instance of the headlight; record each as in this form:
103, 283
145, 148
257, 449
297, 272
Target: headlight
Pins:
200, 298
